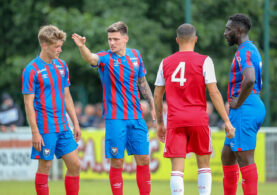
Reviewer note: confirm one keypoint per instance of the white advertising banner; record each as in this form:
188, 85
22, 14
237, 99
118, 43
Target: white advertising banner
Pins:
15, 161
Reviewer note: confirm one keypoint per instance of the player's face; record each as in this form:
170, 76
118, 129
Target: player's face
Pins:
117, 42
53, 50
230, 33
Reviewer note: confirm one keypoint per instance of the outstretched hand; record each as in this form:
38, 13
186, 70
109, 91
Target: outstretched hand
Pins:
79, 40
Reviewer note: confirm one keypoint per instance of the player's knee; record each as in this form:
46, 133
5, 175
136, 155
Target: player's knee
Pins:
117, 163
142, 160
227, 156
44, 168
75, 168
245, 160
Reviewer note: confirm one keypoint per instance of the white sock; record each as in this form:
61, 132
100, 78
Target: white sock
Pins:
204, 181
177, 183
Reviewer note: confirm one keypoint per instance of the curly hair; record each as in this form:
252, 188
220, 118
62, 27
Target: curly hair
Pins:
241, 19
50, 34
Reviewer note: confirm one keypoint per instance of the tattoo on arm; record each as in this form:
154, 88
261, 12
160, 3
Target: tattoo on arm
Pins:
146, 91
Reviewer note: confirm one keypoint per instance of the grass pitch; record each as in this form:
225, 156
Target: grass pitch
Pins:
92, 187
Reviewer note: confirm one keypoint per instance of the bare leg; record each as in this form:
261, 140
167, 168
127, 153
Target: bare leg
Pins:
72, 178
228, 156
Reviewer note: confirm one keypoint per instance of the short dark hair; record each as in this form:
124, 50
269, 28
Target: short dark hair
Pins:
241, 19
186, 31
118, 27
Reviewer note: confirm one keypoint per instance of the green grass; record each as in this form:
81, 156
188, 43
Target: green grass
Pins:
90, 187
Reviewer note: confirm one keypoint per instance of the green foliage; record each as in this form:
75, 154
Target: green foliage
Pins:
152, 26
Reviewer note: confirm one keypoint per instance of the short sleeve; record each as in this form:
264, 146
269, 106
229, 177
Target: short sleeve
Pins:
160, 76
208, 71
142, 70
28, 80
244, 59
103, 58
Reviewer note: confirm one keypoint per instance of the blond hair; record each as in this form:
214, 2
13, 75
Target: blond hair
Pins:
118, 27
50, 34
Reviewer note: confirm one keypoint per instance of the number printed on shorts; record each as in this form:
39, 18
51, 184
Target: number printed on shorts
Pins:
182, 79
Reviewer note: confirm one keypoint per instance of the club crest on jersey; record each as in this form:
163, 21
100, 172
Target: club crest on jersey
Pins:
135, 63
62, 72
114, 151
46, 152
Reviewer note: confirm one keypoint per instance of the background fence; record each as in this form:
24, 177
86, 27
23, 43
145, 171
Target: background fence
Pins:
15, 162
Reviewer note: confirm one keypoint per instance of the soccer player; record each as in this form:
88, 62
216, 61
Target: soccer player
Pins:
184, 76
247, 111
47, 99
122, 71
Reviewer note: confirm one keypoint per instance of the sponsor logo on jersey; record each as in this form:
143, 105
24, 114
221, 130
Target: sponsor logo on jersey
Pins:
42, 70
46, 152
59, 66
114, 151
134, 61
116, 63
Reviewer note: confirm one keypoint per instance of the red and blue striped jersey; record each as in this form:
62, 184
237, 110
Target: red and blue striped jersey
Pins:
119, 77
47, 82
246, 56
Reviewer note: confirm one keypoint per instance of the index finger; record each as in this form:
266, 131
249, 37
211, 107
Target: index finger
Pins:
39, 147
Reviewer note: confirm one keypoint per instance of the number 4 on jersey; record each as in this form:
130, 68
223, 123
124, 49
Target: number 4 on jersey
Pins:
182, 78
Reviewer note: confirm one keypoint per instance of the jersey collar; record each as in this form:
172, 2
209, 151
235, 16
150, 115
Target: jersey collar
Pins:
245, 42
42, 62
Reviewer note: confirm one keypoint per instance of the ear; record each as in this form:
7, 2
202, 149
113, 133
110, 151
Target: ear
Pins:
195, 39
240, 30
126, 37
177, 41
43, 45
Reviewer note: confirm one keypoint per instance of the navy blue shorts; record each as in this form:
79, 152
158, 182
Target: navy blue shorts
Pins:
130, 134
247, 121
